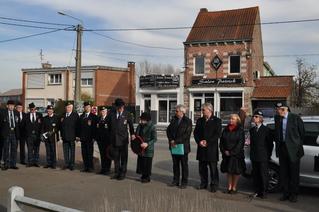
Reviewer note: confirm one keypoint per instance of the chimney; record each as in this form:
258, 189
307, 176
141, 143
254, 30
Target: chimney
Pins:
46, 65
203, 10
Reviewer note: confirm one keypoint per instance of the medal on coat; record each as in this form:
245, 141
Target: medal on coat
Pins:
16, 119
125, 121
62, 119
89, 122
98, 125
105, 126
39, 121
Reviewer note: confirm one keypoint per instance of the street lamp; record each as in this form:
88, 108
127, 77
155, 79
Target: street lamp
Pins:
79, 31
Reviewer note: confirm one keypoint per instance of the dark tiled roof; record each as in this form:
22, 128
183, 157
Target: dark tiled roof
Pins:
227, 25
273, 87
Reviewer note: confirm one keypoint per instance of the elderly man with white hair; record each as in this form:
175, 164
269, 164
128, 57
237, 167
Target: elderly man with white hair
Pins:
207, 132
178, 134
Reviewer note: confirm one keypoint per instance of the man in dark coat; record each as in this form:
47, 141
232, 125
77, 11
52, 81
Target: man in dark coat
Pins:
10, 135
289, 137
22, 140
103, 141
261, 145
87, 130
50, 135
121, 127
179, 132
207, 132
33, 126
69, 131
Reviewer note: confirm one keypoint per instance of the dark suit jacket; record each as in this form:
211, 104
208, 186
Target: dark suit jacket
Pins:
5, 124
261, 144
51, 125
210, 131
102, 131
180, 133
69, 127
22, 125
87, 127
33, 128
119, 128
295, 133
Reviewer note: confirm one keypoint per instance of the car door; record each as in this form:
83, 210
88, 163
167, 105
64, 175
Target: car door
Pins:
311, 148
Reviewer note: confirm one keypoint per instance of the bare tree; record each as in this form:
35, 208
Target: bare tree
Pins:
156, 68
305, 82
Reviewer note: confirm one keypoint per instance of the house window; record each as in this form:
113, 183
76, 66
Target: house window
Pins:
234, 64
230, 103
86, 81
55, 79
199, 64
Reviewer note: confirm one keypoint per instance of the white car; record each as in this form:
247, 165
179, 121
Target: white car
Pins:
308, 176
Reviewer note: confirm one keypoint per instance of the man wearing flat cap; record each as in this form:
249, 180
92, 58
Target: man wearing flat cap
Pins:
50, 135
103, 141
87, 130
120, 125
289, 135
261, 145
9, 123
33, 127
69, 131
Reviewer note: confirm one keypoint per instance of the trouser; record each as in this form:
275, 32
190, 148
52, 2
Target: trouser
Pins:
289, 172
1, 149
260, 176
22, 142
144, 166
87, 153
33, 144
120, 159
105, 161
69, 153
203, 172
180, 161
51, 152
10, 150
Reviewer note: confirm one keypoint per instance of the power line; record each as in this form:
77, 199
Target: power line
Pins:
135, 44
34, 26
36, 22
29, 36
207, 26
130, 54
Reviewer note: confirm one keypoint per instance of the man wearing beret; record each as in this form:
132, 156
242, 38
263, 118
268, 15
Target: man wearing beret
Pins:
261, 145
103, 141
10, 135
120, 124
50, 135
33, 126
87, 130
289, 135
69, 132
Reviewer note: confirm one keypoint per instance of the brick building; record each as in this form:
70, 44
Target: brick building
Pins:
103, 84
224, 60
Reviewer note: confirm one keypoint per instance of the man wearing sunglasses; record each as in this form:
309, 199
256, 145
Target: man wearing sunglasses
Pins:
289, 134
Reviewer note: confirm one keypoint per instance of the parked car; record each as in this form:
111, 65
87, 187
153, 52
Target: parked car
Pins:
308, 176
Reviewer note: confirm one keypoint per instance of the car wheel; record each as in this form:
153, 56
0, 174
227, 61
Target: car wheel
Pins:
274, 178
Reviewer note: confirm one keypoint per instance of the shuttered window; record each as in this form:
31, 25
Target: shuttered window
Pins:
35, 81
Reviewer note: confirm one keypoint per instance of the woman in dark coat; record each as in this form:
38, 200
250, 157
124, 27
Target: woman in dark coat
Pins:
147, 131
232, 148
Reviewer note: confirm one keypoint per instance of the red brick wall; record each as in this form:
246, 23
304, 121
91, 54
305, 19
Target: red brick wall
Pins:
114, 84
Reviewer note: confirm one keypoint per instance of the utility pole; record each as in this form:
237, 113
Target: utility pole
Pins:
77, 90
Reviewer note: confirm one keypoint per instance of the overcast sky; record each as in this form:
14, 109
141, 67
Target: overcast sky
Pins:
278, 40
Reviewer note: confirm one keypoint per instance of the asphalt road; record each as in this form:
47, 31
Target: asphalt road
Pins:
93, 192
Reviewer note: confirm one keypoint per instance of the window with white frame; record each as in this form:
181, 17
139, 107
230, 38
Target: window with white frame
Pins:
234, 65
86, 81
199, 64
55, 79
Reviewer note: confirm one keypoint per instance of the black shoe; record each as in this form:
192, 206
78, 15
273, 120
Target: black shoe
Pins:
293, 198
23, 163
65, 167
173, 184
212, 189
284, 197
229, 191
29, 165
183, 186
14, 167
145, 180
121, 177
84, 170
201, 187
71, 168
36, 165
115, 176
53, 167
4, 167
46, 166
234, 191
90, 170
262, 195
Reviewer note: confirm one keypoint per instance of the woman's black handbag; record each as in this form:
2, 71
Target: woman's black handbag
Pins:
316, 164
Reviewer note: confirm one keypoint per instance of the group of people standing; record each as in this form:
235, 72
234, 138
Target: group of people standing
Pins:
113, 131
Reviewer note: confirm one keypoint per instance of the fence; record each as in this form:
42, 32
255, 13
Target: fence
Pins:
17, 200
